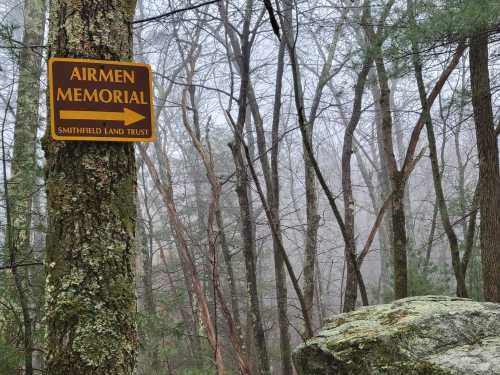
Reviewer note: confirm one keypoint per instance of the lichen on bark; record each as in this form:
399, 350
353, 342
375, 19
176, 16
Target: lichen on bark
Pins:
91, 193
21, 189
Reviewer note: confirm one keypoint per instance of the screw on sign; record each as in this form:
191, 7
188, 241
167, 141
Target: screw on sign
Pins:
97, 100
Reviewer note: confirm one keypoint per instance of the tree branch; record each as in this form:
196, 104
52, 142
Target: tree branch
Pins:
171, 13
272, 18
10, 266
457, 55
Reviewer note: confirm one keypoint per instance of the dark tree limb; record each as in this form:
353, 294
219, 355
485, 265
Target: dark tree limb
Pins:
173, 12
16, 265
272, 18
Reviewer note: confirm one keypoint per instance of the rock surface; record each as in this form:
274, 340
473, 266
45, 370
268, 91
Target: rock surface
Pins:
428, 335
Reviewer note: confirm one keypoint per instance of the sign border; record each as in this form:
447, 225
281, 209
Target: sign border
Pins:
98, 139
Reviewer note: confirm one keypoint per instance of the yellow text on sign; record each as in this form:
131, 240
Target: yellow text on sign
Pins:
77, 94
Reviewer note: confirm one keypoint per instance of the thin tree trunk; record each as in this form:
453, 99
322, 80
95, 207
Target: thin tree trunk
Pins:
312, 223
350, 244
242, 56
398, 177
288, 35
165, 189
461, 166
271, 176
194, 323
471, 231
193, 336
399, 238
436, 174
271, 179
398, 134
430, 241
277, 239
226, 254
145, 244
489, 175
24, 167
214, 208
384, 187
248, 244
313, 219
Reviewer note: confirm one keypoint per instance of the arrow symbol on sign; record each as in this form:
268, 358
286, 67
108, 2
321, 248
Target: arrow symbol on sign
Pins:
128, 116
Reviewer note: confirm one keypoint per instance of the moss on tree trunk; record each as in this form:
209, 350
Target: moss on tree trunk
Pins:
91, 191
22, 184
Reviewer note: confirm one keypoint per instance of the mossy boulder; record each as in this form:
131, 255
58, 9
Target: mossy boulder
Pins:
427, 335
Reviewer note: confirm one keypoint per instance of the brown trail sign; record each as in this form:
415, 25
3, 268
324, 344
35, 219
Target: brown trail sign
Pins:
97, 100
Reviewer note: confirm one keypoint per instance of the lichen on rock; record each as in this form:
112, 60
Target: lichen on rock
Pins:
428, 335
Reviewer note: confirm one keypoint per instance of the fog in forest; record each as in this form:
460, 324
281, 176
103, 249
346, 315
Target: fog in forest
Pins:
311, 157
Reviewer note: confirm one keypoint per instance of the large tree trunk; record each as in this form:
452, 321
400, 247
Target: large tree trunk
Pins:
22, 185
91, 193
489, 175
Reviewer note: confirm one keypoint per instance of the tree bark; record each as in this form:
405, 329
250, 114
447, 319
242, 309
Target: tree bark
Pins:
399, 239
91, 193
312, 223
384, 189
24, 167
350, 243
248, 244
489, 175
279, 264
